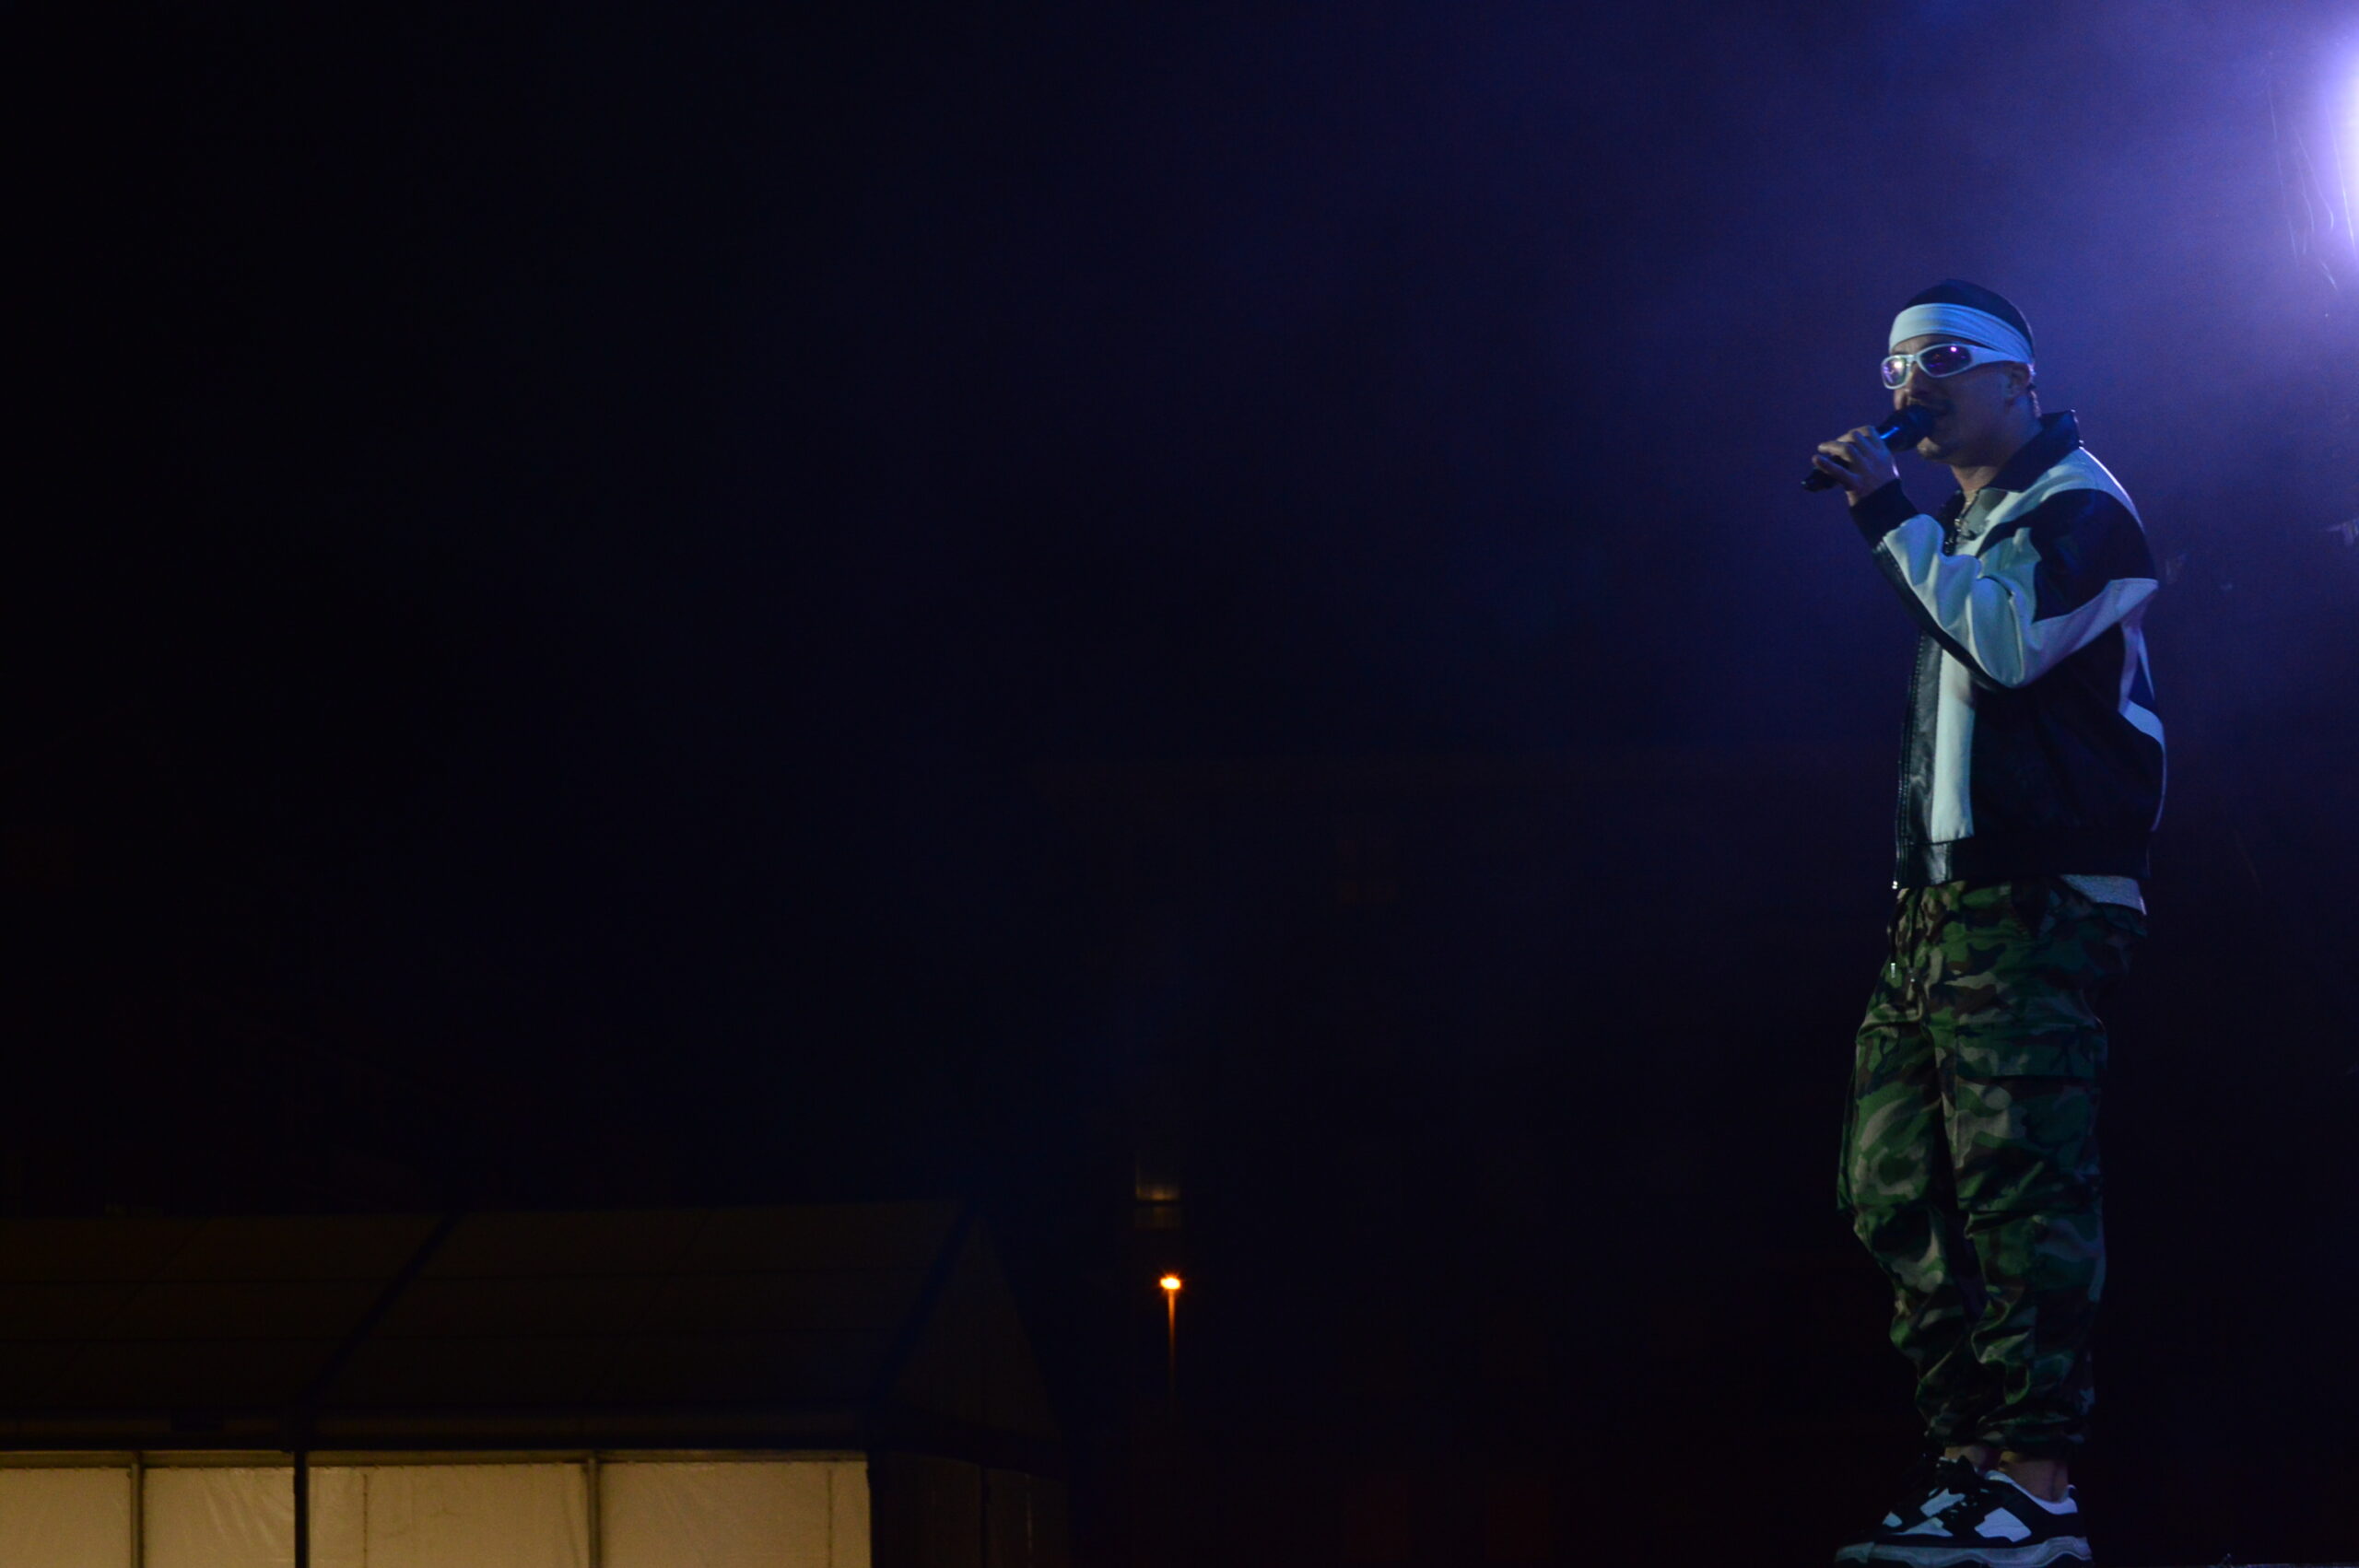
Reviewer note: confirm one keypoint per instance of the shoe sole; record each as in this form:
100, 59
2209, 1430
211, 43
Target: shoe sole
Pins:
2063, 1550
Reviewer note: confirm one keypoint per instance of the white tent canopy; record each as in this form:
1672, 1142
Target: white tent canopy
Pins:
702, 1389
640, 1513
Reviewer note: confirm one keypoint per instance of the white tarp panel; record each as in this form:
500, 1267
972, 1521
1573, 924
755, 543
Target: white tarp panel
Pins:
243, 1516
847, 1490
77, 1519
748, 1514
474, 1516
812, 1514
204, 1519
377, 1516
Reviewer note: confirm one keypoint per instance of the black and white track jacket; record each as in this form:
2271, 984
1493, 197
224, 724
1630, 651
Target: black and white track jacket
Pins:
2032, 747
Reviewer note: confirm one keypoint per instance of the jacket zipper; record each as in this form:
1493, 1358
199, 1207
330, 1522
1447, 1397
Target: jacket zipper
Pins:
1900, 834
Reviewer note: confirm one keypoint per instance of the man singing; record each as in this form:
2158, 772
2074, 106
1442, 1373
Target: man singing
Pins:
2031, 778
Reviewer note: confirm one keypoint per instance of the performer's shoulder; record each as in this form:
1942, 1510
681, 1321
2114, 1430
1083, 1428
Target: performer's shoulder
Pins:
2078, 471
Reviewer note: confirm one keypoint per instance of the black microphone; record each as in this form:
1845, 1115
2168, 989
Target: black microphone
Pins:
1908, 426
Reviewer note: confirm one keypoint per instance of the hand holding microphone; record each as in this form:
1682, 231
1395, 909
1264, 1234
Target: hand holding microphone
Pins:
1860, 461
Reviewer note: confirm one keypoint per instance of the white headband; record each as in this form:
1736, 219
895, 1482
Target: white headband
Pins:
1960, 320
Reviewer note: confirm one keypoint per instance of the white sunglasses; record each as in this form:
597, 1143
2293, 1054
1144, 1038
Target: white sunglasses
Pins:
1942, 360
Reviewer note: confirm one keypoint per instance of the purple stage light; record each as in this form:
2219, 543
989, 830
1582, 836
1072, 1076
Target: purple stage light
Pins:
2346, 150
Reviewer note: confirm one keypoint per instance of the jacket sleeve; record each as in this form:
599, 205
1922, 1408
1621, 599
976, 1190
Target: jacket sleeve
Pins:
2044, 586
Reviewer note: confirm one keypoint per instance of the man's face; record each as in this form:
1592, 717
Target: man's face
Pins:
1971, 410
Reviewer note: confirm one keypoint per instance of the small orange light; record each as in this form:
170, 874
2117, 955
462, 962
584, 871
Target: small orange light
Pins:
1170, 1282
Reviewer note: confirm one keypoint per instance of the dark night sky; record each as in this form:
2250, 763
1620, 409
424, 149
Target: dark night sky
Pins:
617, 499
613, 503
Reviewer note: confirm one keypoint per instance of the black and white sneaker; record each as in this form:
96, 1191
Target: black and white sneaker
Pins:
1997, 1525
1934, 1487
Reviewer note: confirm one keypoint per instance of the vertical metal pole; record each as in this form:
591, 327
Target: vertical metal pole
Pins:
597, 1510
983, 1554
1171, 1351
302, 1508
138, 1511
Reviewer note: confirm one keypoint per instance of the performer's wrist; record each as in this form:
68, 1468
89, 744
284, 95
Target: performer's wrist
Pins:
1881, 510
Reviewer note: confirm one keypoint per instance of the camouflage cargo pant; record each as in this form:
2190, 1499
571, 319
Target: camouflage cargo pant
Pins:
1970, 1155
